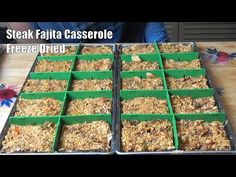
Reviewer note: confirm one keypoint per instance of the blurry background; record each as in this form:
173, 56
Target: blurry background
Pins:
201, 31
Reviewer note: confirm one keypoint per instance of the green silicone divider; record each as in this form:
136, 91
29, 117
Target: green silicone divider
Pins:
38, 95
81, 75
169, 117
50, 76
58, 95
131, 94
38, 121
57, 58
187, 72
72, 95
218, 116
181, 56
193, 93
69, 120
142, 74
156, 47
95, 57
154, 57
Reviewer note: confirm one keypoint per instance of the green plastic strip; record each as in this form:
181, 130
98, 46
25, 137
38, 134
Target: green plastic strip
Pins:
181, 56
182, 73
95, 57
69, 120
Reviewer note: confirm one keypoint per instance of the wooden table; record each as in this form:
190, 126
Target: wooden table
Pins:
224, 76
15, 67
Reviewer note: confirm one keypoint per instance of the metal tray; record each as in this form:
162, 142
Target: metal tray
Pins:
228, 127
113, 116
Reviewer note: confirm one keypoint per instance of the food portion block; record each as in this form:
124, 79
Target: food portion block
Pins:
193, 105
153, 135
141, 62
193, 101
94, 63
181, 60
144, 105
46, 82
138, 48
188, 82
94, 84
175, 47
38, 107
96, 102
186, 79
84, 81
40, 104
54, 64
69, 50
148, 82
96, 50
100, 105
199, 135
29, 138
172, 64
36, 85
144, 102
92, 136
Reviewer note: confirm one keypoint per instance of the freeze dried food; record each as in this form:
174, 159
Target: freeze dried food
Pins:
173, 48
28, 138
37, 85
144, 105
93, 84
87, 136
94, 65
138, 64
96, 50
101, 105
136, 49
186, 104
136, 83
38, 107
69, 50
155, 135
199, 135
53, 66
172, 64
187, 82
